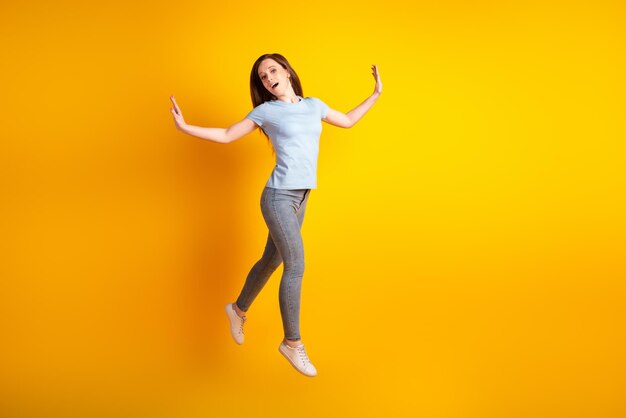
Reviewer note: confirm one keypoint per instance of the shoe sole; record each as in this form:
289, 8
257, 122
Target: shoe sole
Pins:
280, 348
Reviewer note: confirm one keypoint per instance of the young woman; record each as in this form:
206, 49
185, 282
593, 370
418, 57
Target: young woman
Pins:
293, 125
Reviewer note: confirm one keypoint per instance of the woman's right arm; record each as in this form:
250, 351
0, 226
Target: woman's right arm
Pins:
220, 135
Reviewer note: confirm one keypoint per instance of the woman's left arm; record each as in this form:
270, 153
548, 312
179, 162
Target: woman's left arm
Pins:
347, 120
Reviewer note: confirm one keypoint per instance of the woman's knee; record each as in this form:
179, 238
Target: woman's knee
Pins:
294, 267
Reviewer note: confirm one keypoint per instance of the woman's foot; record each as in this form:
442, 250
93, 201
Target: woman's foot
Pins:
295, 353
236, 322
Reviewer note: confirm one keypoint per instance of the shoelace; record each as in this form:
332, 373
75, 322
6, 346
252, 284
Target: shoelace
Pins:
241, 323
303, 356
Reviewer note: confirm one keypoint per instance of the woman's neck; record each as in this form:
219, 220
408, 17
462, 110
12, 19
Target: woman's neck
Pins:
289, 97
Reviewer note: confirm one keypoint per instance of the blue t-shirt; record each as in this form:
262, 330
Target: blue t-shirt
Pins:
294, 129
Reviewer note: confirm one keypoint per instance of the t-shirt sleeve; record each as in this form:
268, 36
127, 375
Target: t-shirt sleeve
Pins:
322, 106
257, 115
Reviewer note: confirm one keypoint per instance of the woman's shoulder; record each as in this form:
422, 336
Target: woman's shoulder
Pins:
315, 101
264, 104
261, 108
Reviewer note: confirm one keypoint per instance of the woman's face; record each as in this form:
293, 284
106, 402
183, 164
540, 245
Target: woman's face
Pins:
274, 77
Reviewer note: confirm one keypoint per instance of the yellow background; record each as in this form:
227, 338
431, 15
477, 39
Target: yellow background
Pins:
465, 249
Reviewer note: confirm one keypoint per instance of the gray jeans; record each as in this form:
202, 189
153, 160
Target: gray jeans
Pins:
283, 211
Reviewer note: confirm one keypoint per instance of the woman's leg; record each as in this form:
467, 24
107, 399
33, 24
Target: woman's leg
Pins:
258, 275
283, 212
269, 261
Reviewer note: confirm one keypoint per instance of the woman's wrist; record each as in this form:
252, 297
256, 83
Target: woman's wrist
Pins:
183, 127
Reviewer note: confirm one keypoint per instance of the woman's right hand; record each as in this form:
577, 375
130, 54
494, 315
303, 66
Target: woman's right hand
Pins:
178, 115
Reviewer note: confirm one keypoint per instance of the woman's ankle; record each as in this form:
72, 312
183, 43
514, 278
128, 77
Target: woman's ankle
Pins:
293, 343
238, 311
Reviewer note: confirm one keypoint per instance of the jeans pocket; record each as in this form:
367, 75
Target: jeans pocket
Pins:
306, 192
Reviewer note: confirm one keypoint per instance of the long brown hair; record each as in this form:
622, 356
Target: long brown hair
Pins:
258, 92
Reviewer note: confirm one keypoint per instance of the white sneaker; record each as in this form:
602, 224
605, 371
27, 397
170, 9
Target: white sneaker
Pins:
298, 359
236, 323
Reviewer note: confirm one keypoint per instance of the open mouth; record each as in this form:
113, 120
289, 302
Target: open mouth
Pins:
274, 86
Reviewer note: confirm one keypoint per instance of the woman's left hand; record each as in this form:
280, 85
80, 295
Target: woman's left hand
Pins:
379, 84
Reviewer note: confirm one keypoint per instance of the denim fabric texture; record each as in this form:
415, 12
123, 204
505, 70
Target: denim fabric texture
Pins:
283, 211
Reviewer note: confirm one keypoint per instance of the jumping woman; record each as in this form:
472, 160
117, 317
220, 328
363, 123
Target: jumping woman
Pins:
293, 125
